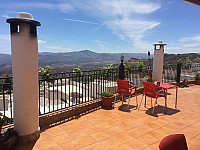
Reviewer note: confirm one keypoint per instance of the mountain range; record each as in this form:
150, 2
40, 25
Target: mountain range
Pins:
79, 58
86, 59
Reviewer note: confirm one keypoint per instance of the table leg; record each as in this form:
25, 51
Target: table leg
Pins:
122, 99
165, 101
176, 97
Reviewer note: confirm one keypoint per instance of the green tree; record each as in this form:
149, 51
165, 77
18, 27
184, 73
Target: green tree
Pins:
180, 61
103, 70
46, 73
77, 71
140, 66
127, 66
198, 60
109, 66
188, 60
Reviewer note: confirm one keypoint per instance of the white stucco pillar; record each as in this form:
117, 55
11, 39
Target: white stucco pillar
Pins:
158, 60
24, 47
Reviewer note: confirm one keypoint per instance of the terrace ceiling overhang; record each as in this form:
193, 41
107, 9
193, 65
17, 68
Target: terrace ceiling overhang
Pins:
196, 2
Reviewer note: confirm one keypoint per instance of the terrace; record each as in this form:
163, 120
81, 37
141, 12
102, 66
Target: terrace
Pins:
67, 108
118, 129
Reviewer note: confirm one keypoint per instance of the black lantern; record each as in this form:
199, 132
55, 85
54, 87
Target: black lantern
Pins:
121, 68
122, 59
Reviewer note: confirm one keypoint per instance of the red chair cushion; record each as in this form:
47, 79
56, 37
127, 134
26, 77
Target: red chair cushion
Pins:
173, 142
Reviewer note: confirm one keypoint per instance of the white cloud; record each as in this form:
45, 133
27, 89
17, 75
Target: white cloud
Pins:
125, 18
117, 7
9, 12
100, 44
57, 48
5, 43
5, 37
64, 7
195, 38
41, 41
171, 2
133, 29
5, 16
187, 44
81, 21
191, 45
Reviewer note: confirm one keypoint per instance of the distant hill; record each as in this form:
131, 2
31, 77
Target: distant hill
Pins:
84, 58
5, 60
63, 62
78, 58
172, 58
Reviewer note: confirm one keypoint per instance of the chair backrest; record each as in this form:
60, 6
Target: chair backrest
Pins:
123, 87
149, 89
174, 142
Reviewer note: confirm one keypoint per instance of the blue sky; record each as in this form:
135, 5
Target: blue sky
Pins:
114, 26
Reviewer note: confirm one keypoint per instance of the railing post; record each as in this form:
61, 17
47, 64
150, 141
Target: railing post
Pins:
178, 75
121, 68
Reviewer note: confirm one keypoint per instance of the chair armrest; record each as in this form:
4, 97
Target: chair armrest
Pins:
162, 90
133, 87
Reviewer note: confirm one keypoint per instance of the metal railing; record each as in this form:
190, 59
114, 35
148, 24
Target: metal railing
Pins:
170, 73
6, 98
74, 88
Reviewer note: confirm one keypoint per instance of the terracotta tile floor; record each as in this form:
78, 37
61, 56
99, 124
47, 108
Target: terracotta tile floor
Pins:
134, 130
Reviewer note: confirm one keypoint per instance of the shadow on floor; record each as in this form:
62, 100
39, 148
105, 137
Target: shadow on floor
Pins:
43, 128
27, 146
161, 109
124, 108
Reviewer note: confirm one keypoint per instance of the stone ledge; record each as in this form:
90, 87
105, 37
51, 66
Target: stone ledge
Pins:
69, 112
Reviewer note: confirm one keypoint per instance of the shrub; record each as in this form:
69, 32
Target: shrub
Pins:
188, 60
140, 66
198, 60
46, 73
109, 66
3, 119
127, 66
197, 77
77, 71
180, 61
107, 94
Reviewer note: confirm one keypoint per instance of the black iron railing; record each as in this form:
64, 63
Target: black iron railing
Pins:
6, 98
170, 73
74, 88
137, 76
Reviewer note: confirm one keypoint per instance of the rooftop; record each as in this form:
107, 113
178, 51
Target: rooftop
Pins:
118, 129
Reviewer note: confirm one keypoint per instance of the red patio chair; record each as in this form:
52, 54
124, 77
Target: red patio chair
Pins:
123, 88
173, 142
150, 91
